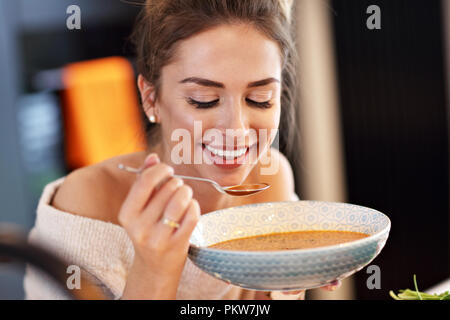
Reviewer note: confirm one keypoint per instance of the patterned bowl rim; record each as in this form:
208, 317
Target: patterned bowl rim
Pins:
340, 246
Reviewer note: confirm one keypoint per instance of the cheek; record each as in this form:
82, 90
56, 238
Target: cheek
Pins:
276, 119
173, 121
185, 119
269, 124
269, 120
180, 119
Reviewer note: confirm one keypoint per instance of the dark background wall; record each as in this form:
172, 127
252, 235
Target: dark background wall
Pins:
395, 128
393, 112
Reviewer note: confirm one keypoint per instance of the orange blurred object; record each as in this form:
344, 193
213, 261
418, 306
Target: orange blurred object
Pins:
101, 111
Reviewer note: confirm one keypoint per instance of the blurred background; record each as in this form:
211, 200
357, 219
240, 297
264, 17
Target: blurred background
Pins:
373, 117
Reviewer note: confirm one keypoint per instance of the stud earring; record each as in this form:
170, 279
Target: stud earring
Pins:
152, 119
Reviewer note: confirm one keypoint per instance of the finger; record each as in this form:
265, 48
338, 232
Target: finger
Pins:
276, 295
145, 184
160, 200
151, 160
155, 208
262, 295
293, 292
175, 210
142, 189
336, 284
190, 220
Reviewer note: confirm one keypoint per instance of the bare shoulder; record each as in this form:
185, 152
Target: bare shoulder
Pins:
276, 171
87, 192
95, 192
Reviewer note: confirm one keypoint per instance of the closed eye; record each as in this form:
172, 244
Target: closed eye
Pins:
211, 104
265, 105
203, 105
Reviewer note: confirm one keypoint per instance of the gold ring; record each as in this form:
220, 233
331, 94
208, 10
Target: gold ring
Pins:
171, 223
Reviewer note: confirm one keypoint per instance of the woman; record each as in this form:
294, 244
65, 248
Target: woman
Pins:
225, 65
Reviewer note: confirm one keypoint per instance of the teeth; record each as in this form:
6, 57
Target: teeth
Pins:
228, 154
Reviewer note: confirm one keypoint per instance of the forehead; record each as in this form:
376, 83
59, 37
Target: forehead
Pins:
232, 54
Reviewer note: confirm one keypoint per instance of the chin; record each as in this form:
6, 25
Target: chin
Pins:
226, 177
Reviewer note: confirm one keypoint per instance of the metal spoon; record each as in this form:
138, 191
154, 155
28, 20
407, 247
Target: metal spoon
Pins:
237, 190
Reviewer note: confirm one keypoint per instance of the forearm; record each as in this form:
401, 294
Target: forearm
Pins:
144, 286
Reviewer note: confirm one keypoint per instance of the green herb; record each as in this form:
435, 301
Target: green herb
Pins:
416, 295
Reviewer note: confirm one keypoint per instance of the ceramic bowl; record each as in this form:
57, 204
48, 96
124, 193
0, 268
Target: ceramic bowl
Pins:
289, 269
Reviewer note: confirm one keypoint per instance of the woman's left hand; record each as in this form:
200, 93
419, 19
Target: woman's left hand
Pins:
301, 293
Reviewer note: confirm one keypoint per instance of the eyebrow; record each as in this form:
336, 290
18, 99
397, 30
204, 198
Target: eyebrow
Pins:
214, 84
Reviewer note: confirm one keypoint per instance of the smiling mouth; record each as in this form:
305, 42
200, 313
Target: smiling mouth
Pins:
226, 154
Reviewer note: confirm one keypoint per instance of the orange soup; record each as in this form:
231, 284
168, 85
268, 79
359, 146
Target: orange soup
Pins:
290, 240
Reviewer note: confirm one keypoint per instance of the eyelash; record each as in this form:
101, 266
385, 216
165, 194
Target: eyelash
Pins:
207, 105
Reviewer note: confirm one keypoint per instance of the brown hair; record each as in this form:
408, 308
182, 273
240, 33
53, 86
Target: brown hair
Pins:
163, 23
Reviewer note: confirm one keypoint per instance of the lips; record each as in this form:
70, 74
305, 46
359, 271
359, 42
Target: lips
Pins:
224, 159
226, 153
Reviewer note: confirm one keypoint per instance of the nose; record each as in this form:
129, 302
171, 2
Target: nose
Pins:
235, 122
235, 116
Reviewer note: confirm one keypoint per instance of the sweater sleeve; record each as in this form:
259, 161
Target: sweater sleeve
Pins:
101, 250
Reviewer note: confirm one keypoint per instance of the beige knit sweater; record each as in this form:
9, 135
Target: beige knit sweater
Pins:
105, 253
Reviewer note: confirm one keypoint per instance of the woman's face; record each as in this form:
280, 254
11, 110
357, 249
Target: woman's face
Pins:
221, 92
